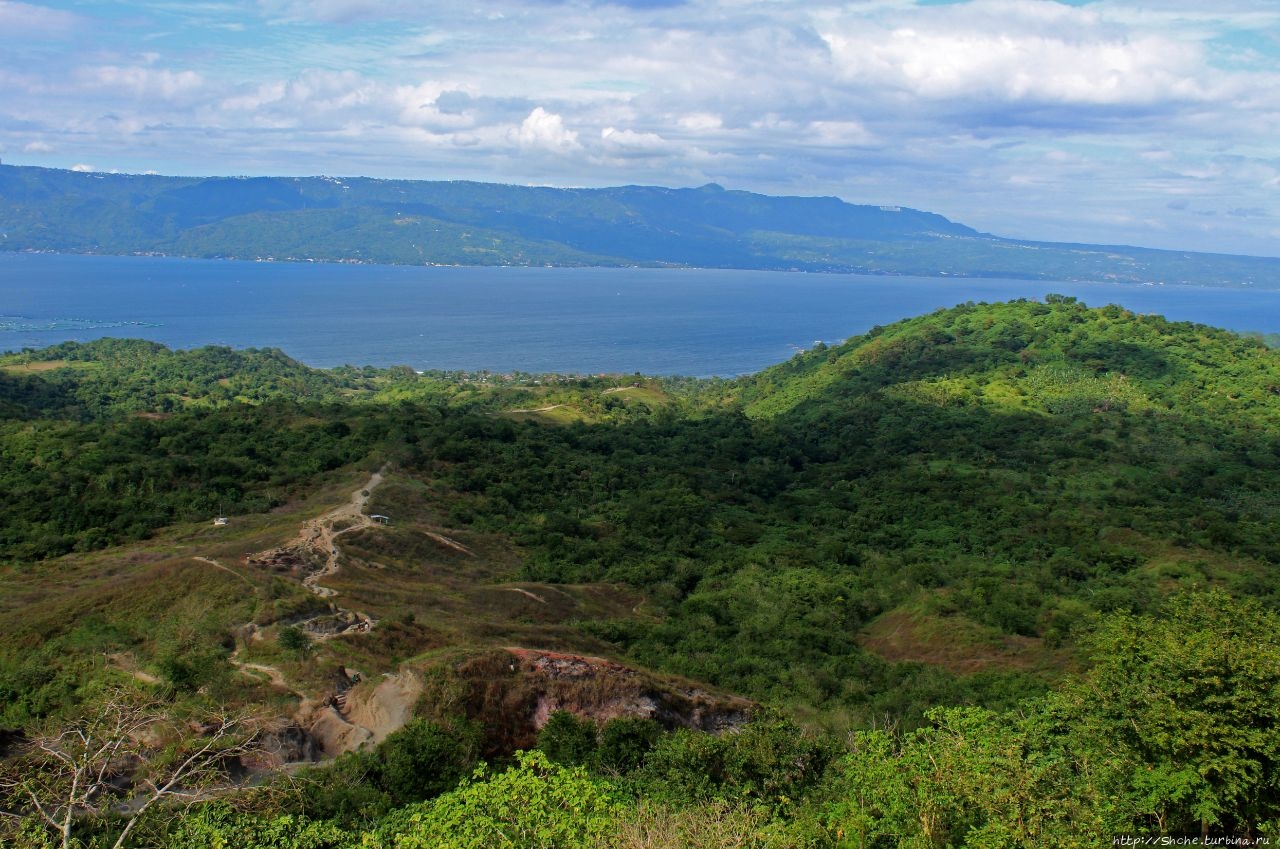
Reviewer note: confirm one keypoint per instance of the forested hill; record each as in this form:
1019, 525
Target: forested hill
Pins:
1025, 356
466, 223
1006, 575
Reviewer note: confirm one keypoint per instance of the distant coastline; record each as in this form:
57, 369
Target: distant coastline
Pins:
360, 221
569, 321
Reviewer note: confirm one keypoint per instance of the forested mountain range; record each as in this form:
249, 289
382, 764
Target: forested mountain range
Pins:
1001, 575
464, 223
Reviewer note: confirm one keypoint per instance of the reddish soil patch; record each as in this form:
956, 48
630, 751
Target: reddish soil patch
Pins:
512, 692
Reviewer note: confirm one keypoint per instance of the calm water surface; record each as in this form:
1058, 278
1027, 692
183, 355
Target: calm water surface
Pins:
655, 321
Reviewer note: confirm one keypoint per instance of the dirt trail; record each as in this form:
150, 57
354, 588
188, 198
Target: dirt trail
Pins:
224, 568
374, 712
450, 543
316, 540
318, 535
539, 409
273, 674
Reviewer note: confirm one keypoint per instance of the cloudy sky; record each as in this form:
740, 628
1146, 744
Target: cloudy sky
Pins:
1149, 123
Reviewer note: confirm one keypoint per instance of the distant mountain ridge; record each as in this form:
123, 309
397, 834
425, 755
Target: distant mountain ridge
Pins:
466, 223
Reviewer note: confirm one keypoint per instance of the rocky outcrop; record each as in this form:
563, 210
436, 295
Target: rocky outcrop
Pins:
289, 744
387, 706
513, 692
510, 693
333, 734
360, 715
11, 740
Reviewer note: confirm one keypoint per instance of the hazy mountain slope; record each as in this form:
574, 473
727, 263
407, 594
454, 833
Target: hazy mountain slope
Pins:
467, 223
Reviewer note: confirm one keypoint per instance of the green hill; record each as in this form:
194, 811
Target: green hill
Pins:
964, 524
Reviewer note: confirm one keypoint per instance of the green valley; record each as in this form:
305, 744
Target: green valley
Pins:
1000, 575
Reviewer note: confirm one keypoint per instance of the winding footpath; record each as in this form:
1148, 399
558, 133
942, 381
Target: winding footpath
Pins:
317, 540
318, 535
326, 718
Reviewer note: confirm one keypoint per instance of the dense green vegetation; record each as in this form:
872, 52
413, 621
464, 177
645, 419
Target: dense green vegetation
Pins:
1171, 731
1003, 545
461, 223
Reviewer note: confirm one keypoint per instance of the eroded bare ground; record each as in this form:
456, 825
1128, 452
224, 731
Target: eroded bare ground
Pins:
310, 557
440, 593
313, 556
512, 692
399, 590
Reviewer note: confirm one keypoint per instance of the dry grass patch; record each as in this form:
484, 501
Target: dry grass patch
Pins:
913, 634
558, 414
1171, 566
45, 365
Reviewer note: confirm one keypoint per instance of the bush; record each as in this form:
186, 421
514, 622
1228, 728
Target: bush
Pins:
294, 639
218, 826
568, 739
535, 803
624, 743
424, 759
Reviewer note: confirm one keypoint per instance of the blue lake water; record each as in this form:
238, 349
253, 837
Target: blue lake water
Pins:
654, 321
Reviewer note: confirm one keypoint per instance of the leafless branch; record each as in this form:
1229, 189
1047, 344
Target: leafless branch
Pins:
130, 756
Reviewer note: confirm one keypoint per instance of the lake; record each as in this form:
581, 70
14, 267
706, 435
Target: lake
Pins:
584, 321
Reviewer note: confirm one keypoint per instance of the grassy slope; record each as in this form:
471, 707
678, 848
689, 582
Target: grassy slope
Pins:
928, 513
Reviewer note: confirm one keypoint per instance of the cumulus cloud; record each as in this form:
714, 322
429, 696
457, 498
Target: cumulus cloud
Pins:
421, 106
82, 168
543, 130
1052, 113
1019, 52
141, 81
700, 122
630, 143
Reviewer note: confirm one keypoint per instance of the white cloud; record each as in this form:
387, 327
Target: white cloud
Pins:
840, 134
37, 147
1105, 105
21, 20
700, 122
419, 106
630, 143
257, 98
544, 130
82, 168
1034, 50
143, 81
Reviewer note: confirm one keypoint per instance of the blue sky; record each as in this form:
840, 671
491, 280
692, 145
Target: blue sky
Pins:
1146, 123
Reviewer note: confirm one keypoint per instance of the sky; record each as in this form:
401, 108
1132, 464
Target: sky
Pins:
1141, 123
